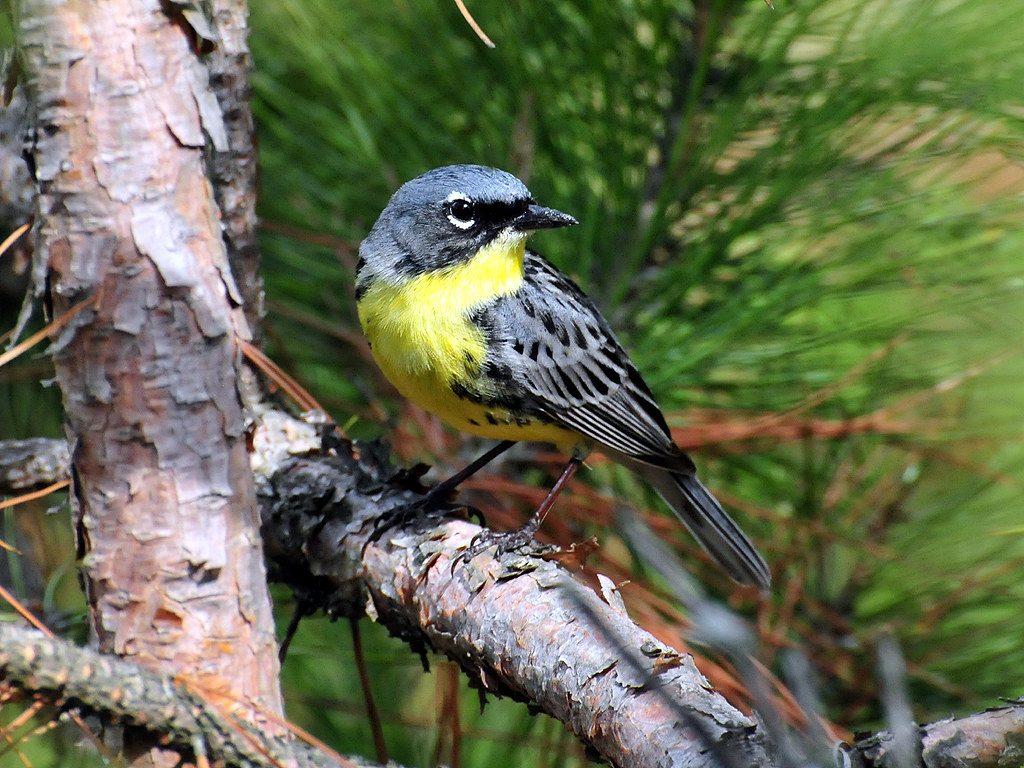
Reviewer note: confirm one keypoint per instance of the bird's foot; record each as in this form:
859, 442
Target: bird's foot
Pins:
434, 504
520, 540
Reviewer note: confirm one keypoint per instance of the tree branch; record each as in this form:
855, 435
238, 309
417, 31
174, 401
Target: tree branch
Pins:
990, 739
34, 463
504, 621
77, 679
509, 622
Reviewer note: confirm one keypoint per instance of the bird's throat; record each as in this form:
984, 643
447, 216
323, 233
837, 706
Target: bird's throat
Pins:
422, 326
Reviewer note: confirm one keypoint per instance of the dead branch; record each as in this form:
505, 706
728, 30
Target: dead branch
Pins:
74, 679
34, 463
989, 739
508, 622
503, 620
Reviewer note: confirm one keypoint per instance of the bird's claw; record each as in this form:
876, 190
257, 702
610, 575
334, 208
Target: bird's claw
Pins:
503, 542
431, 505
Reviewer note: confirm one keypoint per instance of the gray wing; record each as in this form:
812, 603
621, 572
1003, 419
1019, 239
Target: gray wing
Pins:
554, 356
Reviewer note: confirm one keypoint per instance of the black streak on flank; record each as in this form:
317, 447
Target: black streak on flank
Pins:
461, 392
548, 321
599, 384
534, 349
528, 308
578, 333
361, 289
570, 386
498, 372
491, 418
518, 346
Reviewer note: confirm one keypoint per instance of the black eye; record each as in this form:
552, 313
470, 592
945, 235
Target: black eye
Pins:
461, 211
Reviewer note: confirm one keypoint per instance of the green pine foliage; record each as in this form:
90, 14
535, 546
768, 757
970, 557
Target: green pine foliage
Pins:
806, 224
814, 205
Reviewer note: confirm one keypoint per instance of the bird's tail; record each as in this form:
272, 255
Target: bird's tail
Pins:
709, 523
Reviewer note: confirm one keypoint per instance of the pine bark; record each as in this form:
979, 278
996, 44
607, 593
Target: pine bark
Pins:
126, 219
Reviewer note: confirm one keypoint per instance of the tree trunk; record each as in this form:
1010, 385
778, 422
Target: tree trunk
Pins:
126, 219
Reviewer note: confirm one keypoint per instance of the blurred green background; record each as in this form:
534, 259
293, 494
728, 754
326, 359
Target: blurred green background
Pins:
805, 223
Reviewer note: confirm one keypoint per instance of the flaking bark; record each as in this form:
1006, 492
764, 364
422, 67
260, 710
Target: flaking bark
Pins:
233, 168
78, 680
316, 511
511, 623
126, 219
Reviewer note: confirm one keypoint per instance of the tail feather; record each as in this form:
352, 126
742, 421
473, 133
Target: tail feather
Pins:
709, 523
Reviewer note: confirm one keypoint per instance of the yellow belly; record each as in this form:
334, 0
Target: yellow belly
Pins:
424, 342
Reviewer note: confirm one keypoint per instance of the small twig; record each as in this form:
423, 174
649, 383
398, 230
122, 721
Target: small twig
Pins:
379, 745
300, 612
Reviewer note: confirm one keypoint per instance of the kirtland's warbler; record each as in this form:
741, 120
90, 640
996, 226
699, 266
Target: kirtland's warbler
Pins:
470, 325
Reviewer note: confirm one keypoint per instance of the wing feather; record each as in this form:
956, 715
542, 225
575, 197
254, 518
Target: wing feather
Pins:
561, 362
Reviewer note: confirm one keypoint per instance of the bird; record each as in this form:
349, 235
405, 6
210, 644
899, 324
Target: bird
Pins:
471, 325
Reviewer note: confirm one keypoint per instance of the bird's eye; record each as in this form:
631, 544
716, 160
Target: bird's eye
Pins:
461, 213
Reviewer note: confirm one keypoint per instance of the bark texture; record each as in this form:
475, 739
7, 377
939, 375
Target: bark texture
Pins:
233, 168
515, 624
316, 512
72, 679
990, 739
16, 187
126, 218
26, 465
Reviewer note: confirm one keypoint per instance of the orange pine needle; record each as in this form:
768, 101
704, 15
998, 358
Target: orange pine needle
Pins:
211, 704
13, 237
30, 711
25, 613
303, 735
41, 334
32, 496
274, 372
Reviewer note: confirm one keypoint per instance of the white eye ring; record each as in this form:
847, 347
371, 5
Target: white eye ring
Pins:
451, 204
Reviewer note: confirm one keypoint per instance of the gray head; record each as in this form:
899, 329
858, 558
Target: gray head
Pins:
445, 216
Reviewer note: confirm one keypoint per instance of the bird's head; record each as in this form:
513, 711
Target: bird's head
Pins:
447, 215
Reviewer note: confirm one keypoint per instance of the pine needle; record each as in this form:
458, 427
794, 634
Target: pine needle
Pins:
51, 328
472, 23
13, 237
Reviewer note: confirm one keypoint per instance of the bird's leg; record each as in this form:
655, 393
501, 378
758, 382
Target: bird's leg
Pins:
545, 506
441, 491
436, 496
509, 541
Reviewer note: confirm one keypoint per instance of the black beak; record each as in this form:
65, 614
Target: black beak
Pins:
539, 217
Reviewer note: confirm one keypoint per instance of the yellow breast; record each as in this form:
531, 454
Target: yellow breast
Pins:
424, 341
